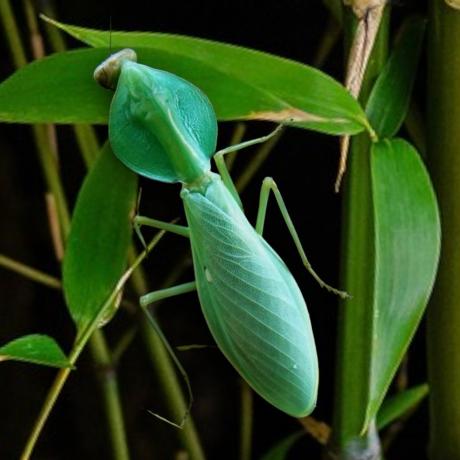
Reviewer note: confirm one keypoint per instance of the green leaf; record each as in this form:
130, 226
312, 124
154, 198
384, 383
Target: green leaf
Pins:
280, 450
100, 235
407, 246
241, 83
56, 89
399, 404
390, 97
36, 349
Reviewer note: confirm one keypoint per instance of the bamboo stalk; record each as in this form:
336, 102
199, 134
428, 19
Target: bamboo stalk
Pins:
355, 315
107, 375
444, 159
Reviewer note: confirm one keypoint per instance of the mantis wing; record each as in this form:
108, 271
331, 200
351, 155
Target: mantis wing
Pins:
251, 302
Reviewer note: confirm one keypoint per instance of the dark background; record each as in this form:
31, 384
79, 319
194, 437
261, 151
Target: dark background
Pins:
304, 166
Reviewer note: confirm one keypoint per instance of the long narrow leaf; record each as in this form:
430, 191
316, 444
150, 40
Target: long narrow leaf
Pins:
57, 89
241, 83
297, 91
399, 404
97, 247
389, 100
281, 449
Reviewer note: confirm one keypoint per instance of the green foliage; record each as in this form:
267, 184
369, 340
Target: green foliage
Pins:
392, 246
390, 97
400, 404
241, 83
100, 235
31, 94
407, 247
395, 210
36, 349
281, 449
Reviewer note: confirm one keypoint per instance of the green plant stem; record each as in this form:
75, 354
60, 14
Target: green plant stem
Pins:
11, 32
109, 384
87, 143
124, 342
111, 397
355, 315
48, 405
246, 421
50, 168
54, 35
328, 41
29, 272
444, 159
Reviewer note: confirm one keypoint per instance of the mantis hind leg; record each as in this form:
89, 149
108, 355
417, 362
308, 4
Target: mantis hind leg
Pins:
270, 185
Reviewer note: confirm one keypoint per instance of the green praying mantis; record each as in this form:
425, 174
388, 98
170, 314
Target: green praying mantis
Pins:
164, 128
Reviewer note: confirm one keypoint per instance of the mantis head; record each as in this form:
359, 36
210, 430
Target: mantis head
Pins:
160, 126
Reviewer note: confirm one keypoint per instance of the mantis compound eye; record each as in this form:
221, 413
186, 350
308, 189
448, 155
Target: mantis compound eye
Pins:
107, 73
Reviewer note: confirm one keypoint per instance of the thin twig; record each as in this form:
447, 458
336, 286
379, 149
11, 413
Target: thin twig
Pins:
29, 272
247, 419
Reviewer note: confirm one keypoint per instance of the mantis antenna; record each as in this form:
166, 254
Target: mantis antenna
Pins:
110, 33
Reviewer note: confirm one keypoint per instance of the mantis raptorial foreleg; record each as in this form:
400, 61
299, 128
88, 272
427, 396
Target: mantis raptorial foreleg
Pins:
270, 185
139, 221
181, 230
222, 167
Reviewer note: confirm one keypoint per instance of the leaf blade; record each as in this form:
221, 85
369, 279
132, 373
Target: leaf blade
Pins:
241, 83
407, 247
97, 246
399, 404
281, 449
35, 349
390, 97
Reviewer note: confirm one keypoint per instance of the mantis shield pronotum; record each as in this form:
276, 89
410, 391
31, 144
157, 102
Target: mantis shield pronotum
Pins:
164, 128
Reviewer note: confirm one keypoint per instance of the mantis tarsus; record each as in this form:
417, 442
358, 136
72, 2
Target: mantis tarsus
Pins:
164, 128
